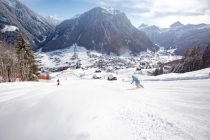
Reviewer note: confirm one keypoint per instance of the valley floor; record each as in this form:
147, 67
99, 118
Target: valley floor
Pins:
102, 110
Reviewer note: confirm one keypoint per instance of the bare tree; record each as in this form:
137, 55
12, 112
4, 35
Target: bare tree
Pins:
8, 63
17, 62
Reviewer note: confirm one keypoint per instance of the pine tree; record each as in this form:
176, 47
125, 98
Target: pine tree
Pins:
27, 66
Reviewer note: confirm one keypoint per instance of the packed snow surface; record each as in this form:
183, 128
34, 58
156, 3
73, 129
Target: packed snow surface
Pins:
85, 109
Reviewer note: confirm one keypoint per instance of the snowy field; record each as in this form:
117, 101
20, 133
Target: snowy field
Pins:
168, 108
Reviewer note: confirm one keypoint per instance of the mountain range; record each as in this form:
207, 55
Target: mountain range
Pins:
13, 13
105, 30
101, 29
179, 36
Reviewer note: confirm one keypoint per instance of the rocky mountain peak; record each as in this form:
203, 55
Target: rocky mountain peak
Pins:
142, 26
179, 36
176, 24
52, 20
102, 29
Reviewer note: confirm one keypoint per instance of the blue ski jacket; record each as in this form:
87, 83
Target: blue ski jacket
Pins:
135, 80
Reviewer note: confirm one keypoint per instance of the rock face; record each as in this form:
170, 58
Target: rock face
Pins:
100, 29
33, 26
182, 37
153, 32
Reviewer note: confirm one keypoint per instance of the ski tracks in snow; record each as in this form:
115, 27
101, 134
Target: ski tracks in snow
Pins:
145, 124
23, 91
99, 109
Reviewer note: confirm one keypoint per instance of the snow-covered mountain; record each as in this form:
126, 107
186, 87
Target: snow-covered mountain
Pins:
53, 20
179, 36
13, 13
153, 32
102, 29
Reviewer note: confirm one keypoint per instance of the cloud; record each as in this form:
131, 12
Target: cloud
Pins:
167, 21
161, 12
180, 5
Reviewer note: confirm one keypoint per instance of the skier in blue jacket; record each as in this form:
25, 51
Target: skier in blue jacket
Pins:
136, 81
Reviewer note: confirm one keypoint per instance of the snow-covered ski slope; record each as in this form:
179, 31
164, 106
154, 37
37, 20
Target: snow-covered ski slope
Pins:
87, 109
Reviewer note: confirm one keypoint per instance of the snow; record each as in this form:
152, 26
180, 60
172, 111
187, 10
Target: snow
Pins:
9, 28
79, 37
76, 16
43, 39
11, 3
55, 37
161, 55
144, 76
109, 10
62, 58
84, 109
54, 20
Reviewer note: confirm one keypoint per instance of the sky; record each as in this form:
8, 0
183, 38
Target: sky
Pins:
152, 12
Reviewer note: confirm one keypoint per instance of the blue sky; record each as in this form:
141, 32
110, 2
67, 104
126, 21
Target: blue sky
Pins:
153, 12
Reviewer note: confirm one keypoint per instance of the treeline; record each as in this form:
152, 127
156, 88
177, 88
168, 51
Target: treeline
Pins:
17, 62
194, 59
